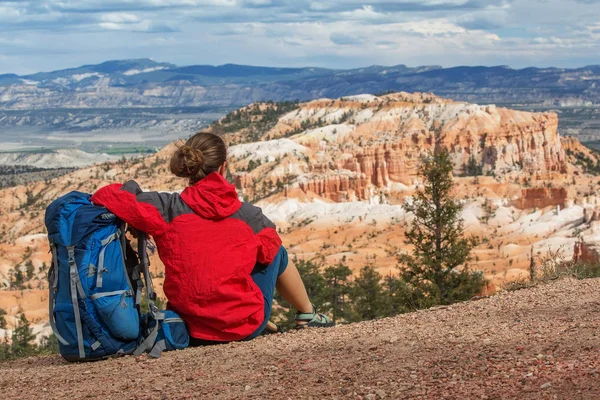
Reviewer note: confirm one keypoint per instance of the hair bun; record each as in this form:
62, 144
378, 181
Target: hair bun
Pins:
201, 155
187, 161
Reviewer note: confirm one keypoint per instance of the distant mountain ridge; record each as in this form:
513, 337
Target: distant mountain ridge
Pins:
148, 83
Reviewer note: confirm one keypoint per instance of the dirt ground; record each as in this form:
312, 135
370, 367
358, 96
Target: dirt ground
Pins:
540, 343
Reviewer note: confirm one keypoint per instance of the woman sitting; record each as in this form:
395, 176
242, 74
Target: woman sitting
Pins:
223, 258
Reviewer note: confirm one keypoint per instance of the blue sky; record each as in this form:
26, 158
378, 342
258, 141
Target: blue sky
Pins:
46, 35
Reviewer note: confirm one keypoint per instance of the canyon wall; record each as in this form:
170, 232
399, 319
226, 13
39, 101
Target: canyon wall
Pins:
356, 146
541, 198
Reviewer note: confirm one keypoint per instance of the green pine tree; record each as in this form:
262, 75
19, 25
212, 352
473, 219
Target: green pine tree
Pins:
2, 318
30, 269
473, 168
17, 279
5, 351
368, 297
437, 236
48, 345
4, 342
22, 337
402, 298
337, 290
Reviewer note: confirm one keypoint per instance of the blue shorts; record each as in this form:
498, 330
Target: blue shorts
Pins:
265, 279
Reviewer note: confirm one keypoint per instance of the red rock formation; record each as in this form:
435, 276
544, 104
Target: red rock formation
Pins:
381, 165
583, 253
541, 197
381, 141
338, 188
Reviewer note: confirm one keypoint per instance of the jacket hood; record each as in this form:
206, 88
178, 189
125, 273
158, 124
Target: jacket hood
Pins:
212, 197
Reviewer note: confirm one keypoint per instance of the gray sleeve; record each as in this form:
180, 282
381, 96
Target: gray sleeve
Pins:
254, 217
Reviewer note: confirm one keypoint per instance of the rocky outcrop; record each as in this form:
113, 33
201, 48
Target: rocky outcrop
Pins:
541, 197
357, 145
339, 188
503, 140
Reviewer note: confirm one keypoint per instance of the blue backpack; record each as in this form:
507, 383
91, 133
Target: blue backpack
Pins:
94, 301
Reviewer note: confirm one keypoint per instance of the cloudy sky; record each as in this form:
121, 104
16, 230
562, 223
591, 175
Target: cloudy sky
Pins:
45, 35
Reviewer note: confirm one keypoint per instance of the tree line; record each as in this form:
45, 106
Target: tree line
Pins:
21, 342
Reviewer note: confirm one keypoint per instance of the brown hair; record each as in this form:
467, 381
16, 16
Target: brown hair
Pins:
201, 155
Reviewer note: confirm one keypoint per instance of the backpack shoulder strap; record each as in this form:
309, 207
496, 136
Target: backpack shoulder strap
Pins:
144, 264
75, 288
52, 288
153, 312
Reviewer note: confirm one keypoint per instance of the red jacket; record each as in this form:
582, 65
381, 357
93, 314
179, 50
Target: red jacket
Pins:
209, 242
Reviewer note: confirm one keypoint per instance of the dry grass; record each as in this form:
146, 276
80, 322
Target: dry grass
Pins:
552, 266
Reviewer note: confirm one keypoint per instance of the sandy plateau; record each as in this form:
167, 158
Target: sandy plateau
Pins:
333, 175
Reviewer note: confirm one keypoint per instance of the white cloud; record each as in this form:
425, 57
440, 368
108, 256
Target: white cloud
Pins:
330, 33
119, 18
9, 11
141, 26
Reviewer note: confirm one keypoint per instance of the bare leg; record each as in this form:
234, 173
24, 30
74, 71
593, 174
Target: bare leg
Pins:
291, 288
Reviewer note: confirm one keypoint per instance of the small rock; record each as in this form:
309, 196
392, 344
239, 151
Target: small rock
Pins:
248, 387
372, 348
371, 396
189, 378
87, 372
381, 394
546, 385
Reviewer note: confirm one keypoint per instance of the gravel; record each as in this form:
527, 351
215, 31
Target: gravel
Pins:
538, 343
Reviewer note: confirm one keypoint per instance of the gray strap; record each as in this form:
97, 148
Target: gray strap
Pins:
142, 268
101, 268
111, 238
171, 320
124, 242
80, 288
95, 345
138, 296
158, 348
148, 342
55, 263
106, 294
52, 274
139, 283
91, 270
142, 254
74, 275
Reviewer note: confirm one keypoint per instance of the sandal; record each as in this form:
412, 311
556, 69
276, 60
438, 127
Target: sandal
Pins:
313, 320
